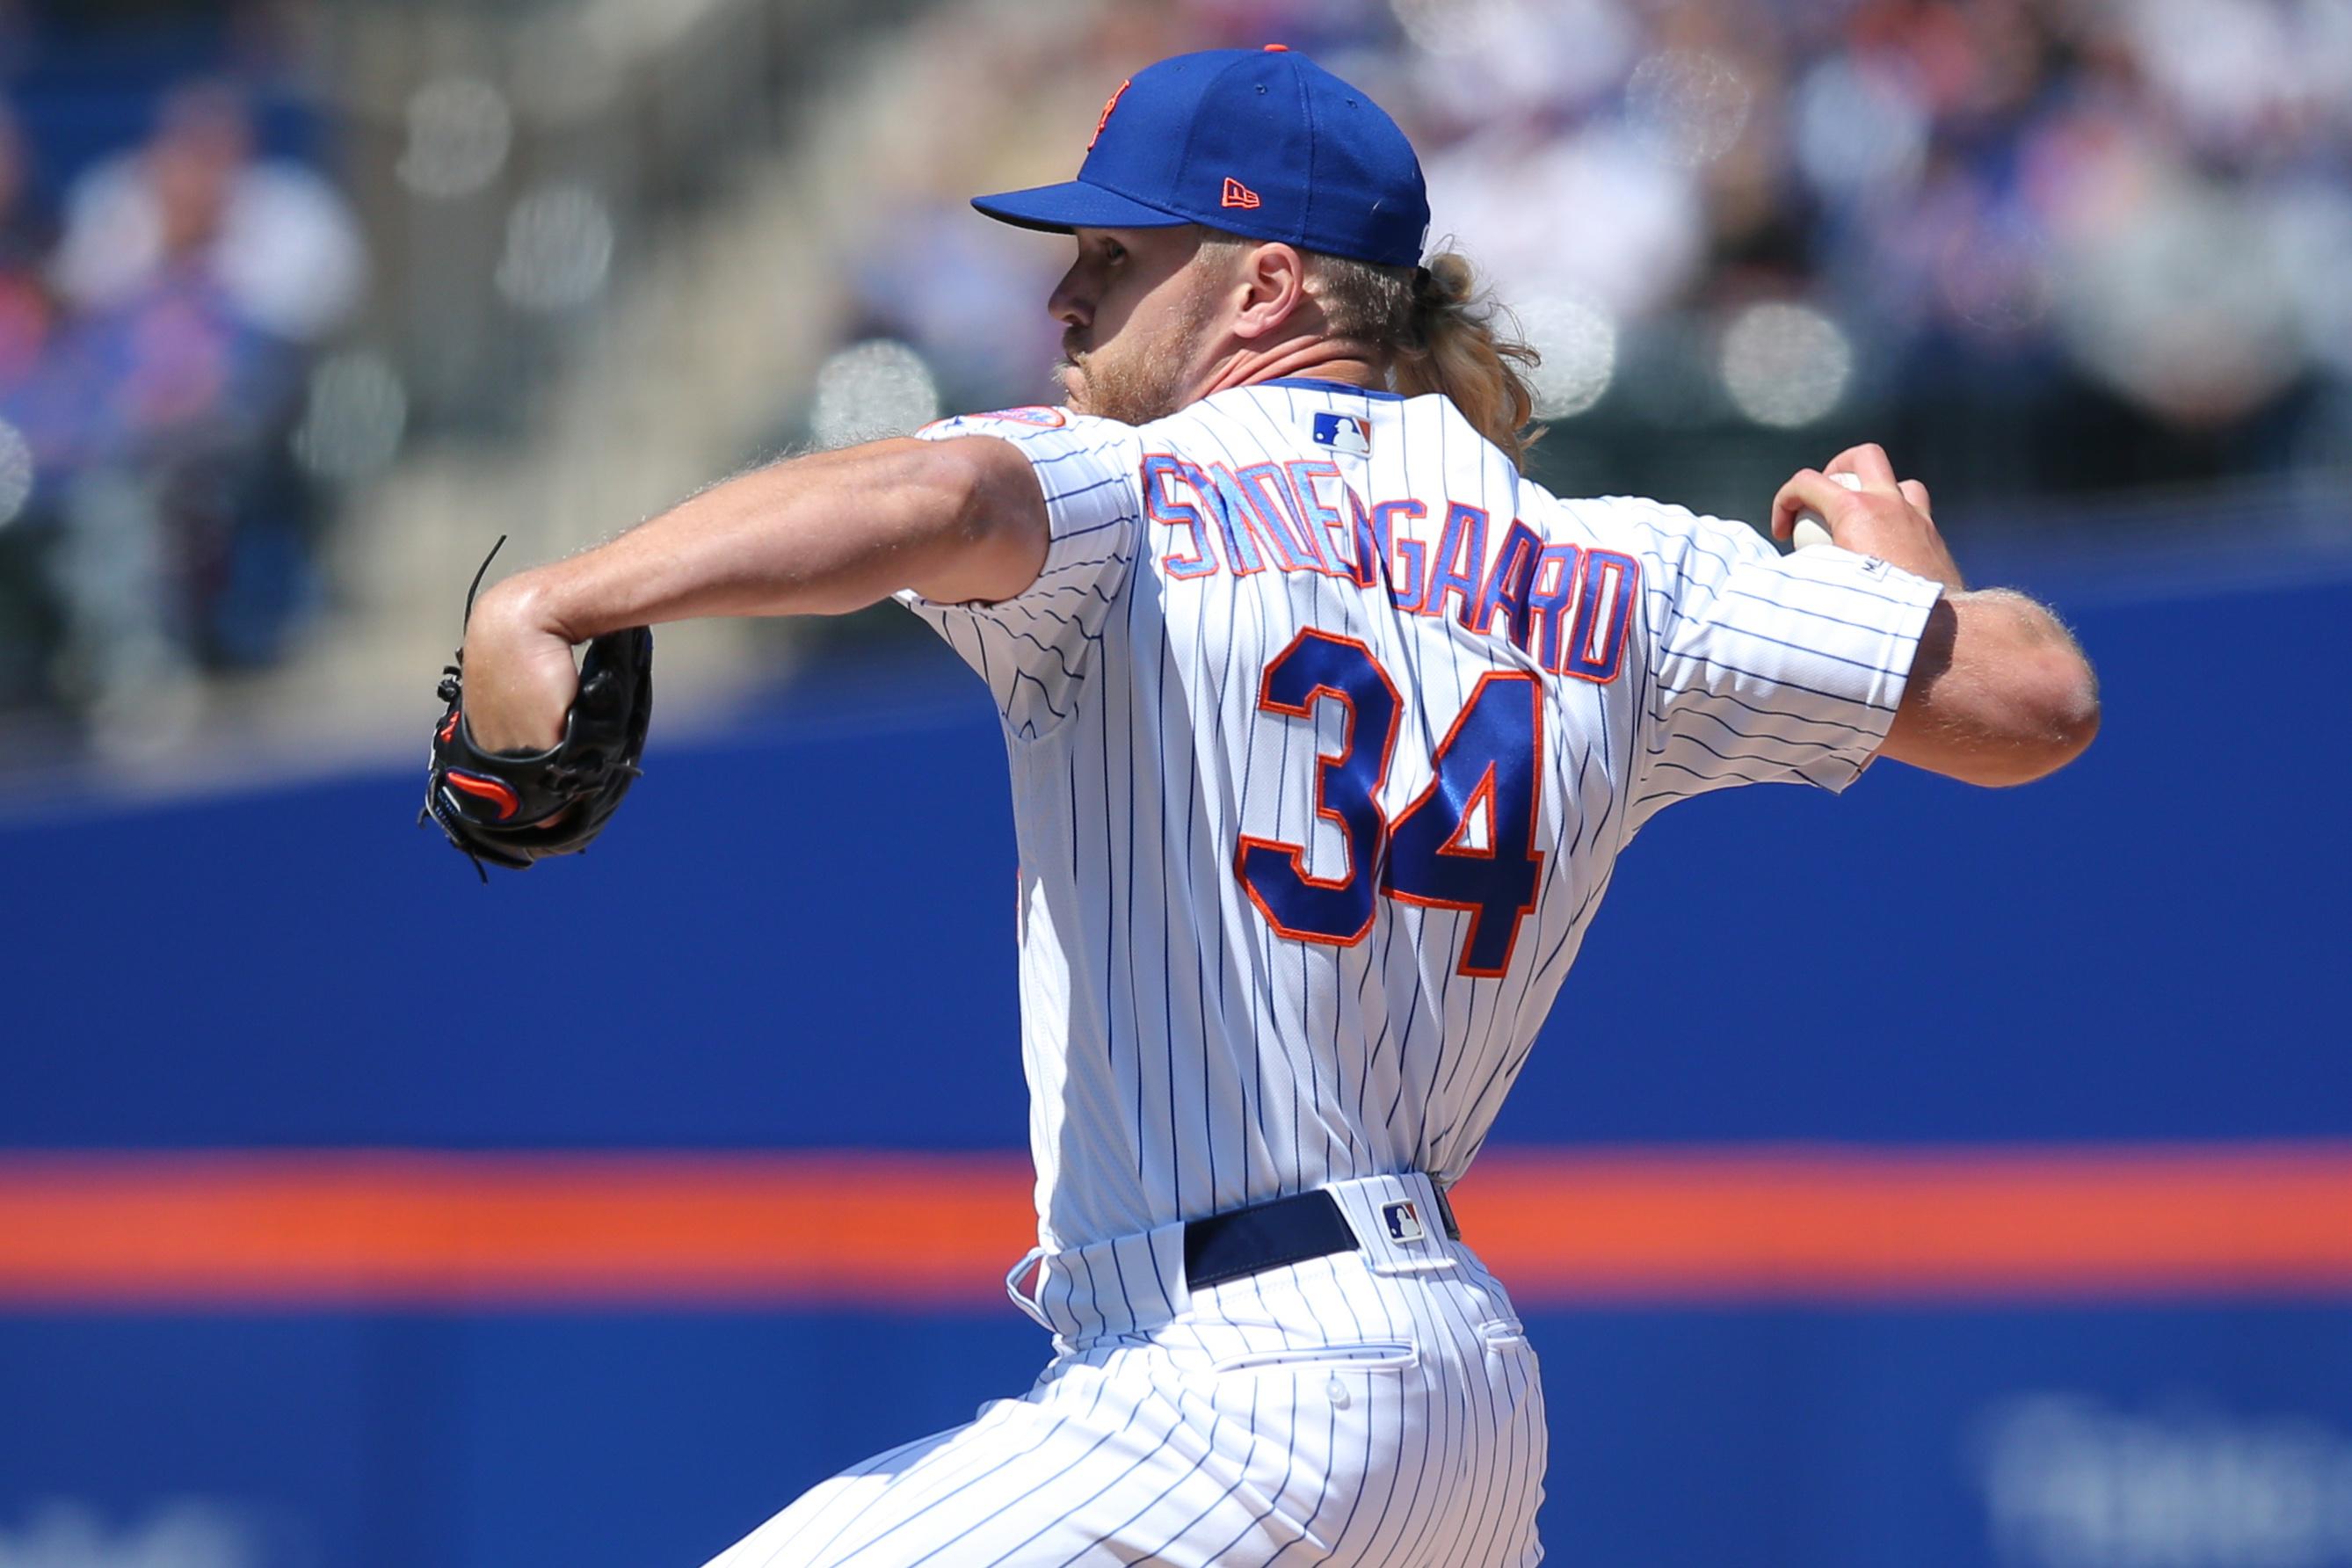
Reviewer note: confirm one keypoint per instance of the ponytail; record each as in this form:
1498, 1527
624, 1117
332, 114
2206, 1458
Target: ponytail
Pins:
1455, 346
1441, 333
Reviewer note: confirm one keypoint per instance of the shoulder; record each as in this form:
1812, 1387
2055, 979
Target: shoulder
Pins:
1048, 437
990, 422
1036, 423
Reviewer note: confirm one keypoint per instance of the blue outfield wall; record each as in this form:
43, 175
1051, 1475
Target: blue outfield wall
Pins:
798, 918
1680, 1439
2147, 946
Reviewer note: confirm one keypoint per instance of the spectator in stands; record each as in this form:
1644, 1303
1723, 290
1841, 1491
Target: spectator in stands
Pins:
200, 276
275, 236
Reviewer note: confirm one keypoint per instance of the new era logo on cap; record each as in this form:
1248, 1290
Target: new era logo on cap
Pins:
1239, 196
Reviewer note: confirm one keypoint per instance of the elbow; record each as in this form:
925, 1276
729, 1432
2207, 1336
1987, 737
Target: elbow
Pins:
2001, 694
2064, 732
2053, 721
2076, 724
2067, 707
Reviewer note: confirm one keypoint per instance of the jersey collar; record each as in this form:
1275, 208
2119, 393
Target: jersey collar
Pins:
1313, 384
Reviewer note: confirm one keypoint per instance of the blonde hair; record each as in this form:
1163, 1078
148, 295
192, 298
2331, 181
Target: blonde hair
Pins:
1444, 334
1441, 331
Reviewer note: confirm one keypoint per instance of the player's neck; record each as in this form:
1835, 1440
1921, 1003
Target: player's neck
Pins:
1347, 360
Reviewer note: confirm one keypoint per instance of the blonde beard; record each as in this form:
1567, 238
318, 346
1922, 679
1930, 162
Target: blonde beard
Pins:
1138, 383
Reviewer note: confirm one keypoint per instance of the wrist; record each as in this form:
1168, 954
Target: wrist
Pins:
519, 610
519, 680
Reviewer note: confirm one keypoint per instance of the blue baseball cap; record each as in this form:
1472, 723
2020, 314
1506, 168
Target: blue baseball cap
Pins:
1261, 142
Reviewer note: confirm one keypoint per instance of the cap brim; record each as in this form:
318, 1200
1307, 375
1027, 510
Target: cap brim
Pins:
1072, 203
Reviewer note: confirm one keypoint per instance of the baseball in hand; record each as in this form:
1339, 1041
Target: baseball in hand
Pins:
1810, 527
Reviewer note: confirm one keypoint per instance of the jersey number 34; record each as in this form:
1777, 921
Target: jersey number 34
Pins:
1486, 774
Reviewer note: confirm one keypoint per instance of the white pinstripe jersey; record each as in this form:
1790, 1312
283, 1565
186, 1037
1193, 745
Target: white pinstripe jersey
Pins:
1326, 729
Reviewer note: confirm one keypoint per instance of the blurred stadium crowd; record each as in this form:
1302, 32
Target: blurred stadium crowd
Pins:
161, 302
256, 255
2033, 244
260, 258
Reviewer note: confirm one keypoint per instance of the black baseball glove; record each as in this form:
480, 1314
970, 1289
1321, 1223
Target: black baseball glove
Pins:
512, 808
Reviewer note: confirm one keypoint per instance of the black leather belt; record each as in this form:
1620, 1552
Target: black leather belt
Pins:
1242, 1242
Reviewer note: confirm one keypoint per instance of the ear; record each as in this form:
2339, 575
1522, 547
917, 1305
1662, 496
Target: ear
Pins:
1274, 286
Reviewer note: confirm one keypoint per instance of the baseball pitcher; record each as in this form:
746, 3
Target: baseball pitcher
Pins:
1325, 728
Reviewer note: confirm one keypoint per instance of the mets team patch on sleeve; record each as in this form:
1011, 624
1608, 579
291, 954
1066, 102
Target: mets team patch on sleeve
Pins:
1035, 415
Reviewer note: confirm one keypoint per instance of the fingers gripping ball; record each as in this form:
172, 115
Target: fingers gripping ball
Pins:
1810, 527
514, 808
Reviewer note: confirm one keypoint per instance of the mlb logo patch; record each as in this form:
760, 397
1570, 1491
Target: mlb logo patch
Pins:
1348, 433
1403, 1220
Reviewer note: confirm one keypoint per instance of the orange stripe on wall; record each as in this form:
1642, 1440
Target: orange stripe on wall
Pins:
332, 1228
2188, 1221
938, 1231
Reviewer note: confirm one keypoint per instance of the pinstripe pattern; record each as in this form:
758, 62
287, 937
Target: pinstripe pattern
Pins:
1381, 1408
1186, 1057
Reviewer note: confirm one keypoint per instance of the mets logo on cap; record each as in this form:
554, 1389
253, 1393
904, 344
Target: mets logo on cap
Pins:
1108, 104
1348, 433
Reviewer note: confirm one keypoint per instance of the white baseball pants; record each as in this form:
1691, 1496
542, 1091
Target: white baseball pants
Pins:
1370, 1409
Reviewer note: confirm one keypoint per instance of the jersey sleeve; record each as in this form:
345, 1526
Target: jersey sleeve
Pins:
1038, 649
1766, 668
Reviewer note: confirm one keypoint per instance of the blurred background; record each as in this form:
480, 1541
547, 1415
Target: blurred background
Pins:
352, 1214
